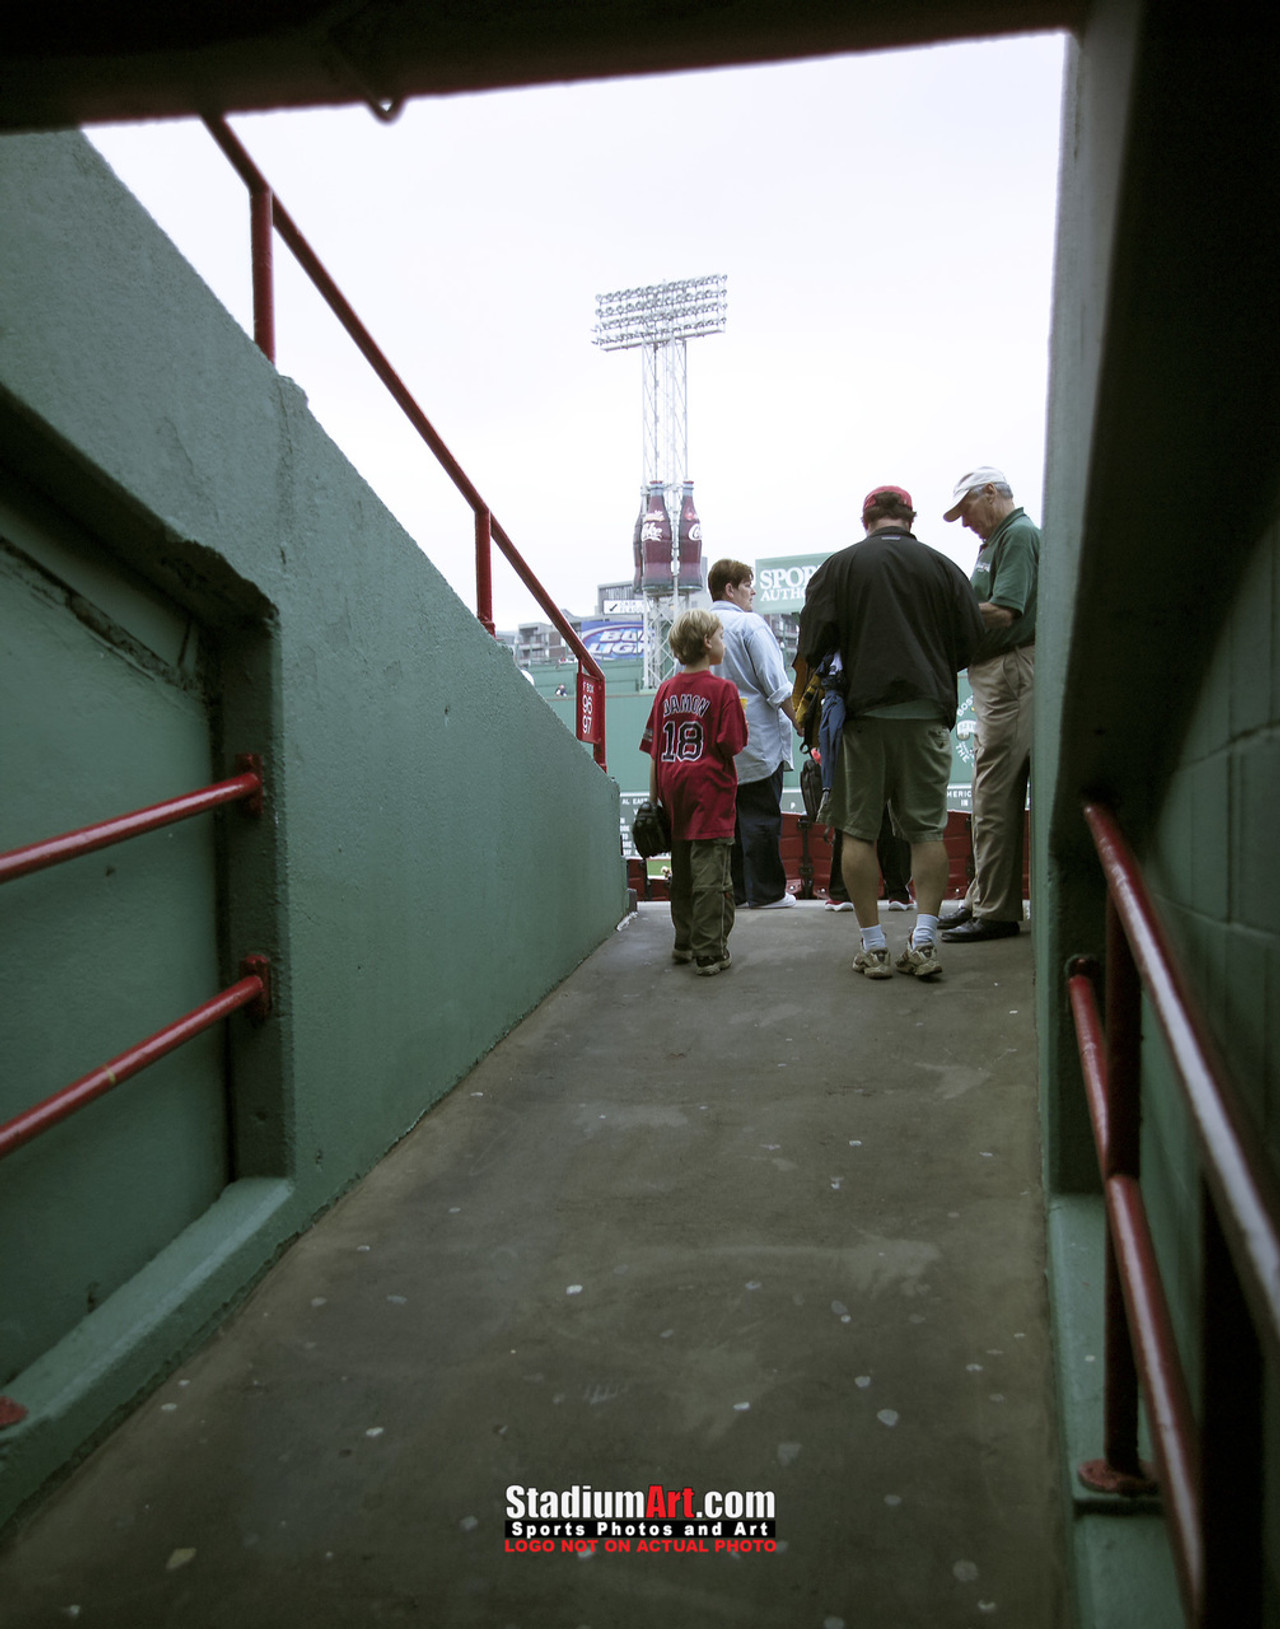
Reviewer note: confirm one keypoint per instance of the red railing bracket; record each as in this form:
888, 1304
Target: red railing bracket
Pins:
10, 1412
250, 763
258, 967
1100, 1477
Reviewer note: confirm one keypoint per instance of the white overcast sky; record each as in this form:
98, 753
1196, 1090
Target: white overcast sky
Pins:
886, 222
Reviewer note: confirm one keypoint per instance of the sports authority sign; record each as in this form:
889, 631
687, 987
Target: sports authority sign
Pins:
640, 1519
780, 583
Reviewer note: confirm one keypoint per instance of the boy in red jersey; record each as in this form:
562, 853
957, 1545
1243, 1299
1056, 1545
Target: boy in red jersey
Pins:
695, 730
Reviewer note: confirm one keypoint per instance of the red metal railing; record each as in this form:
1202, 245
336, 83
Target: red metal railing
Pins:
245, 787
252, 990
1210, 1475
268, 214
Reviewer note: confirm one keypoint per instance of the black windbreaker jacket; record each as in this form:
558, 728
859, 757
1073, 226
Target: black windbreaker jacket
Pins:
903, 617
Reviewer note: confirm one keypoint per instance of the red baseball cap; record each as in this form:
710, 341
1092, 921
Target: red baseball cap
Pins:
886, 492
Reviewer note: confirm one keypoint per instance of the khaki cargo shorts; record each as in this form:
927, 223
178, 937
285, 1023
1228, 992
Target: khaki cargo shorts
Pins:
904, 763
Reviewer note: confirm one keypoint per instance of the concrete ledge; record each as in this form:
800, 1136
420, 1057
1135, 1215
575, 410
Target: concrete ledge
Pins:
1121, 1565
78, 1390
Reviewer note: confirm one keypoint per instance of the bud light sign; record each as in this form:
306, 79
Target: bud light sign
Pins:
614, 639
781, 584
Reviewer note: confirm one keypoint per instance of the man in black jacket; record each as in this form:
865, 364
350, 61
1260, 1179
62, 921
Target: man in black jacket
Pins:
904, 620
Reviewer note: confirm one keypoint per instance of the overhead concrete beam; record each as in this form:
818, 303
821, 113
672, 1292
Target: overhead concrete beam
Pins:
61, 67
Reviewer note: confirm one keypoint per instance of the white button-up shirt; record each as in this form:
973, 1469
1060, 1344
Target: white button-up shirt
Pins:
753, 661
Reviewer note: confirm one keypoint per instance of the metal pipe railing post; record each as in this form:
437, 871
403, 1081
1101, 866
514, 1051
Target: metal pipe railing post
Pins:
1119, 1471
1120, 1382
262, 236
484, 570
1123, 1016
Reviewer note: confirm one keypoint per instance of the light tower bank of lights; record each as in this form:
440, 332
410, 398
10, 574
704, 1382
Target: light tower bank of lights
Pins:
659, 321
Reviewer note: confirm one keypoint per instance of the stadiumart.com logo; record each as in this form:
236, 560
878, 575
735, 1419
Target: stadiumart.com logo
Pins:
657, 1518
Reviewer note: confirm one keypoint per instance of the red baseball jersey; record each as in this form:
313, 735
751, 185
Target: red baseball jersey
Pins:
696, 728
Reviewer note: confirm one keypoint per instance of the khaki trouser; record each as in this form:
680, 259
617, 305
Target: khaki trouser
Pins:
1002, 702
702, 909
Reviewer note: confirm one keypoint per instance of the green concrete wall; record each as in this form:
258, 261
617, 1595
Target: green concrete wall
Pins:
104, 711
1213, 871
1158, 662
435, 855
1212, 854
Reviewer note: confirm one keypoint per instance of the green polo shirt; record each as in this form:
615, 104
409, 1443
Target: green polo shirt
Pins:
1006, 572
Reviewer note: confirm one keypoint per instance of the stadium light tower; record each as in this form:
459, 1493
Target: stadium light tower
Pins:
659, 320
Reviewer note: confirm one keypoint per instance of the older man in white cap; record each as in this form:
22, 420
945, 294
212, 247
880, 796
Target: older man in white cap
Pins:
1001, 676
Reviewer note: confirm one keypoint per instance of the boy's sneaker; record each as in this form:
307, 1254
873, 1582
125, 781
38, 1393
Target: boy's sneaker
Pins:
921, 961
839, 905
681, 956
875, 964
709, 966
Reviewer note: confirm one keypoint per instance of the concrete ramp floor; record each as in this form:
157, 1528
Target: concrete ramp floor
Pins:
778, 1232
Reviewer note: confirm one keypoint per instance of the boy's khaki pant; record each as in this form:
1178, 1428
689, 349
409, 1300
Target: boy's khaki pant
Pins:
702, 909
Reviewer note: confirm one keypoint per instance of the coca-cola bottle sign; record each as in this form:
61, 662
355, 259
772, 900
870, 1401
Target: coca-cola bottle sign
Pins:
690, 541
655, 534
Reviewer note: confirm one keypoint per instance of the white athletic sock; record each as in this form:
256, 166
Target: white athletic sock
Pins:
925, 932
874, 939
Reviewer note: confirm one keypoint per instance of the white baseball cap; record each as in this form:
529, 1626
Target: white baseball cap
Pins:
981, 476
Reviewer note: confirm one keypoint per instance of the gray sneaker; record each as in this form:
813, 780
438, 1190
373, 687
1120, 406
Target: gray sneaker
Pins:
709, 966
874, 964
920, 960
